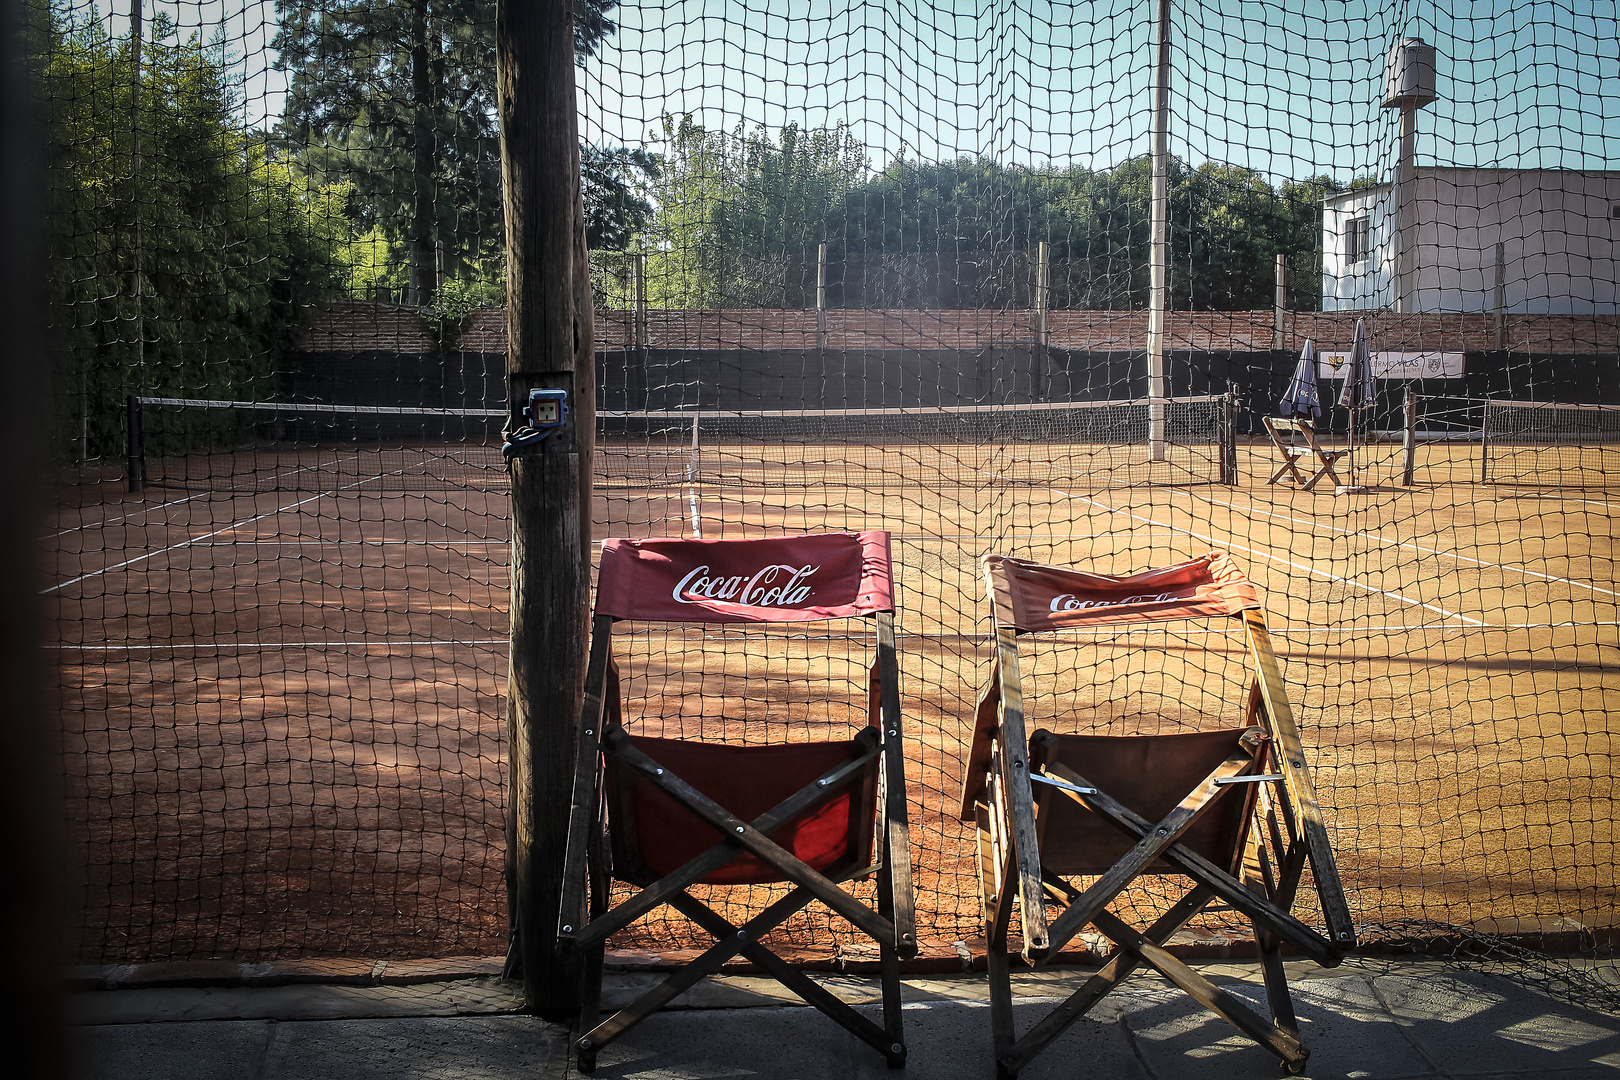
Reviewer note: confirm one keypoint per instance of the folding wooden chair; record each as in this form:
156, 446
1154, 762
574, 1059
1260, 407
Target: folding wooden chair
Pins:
1282, 437
1231, 809
665, 814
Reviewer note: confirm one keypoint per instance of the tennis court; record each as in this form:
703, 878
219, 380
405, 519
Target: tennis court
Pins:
285, 706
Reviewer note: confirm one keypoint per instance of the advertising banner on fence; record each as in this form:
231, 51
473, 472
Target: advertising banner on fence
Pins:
1395, 365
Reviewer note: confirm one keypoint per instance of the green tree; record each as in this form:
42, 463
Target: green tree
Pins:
396, 98
741, 215
182, 270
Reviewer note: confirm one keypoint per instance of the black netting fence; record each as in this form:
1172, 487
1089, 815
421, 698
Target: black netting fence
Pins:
965, 275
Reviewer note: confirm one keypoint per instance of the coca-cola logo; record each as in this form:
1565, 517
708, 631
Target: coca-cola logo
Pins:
1071, 602
777, 585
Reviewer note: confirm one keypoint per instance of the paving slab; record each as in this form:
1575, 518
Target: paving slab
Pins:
230, 1050
1364, 1021
1350, 1035
421, 1048
312, 1001
1476, 1025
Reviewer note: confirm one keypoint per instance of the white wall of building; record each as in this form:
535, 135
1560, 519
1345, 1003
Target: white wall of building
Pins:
1558, 229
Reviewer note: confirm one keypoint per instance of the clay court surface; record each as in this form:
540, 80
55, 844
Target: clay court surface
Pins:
283, 709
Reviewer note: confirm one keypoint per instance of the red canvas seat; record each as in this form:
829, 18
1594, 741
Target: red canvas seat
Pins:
665, 814
654, 835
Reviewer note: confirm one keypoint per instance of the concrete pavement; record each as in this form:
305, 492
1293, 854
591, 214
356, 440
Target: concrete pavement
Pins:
1369, 1019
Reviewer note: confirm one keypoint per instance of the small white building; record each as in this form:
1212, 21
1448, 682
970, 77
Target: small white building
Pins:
1557, 231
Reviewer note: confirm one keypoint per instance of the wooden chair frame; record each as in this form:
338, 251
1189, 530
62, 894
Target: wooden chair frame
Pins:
586, 921
1292, 453
1000, 795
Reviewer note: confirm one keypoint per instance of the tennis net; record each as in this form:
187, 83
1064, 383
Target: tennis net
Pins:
1549, 443
1079, 443
205, 444
236, 446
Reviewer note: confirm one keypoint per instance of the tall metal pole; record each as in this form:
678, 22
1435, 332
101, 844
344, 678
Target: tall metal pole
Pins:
1159, 264
1280, 304
550, 346
136, 286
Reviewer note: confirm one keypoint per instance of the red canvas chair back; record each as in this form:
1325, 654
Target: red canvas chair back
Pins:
779, 579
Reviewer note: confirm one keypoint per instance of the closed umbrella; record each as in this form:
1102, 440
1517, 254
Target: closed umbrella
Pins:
1302, 398
1360, 391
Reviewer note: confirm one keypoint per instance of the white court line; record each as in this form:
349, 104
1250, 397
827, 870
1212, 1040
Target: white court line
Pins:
1315, 525
200, 495
1273, 558
1523, 494
217, 532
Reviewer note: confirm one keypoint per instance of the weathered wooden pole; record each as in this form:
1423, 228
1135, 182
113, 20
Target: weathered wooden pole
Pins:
549, 346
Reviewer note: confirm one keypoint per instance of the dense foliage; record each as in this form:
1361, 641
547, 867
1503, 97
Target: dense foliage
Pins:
183, 252
740, 216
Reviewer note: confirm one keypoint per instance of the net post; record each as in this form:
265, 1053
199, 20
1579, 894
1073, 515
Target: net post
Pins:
550, 346
135, 443
1485, 443
1227, 432
1409, 439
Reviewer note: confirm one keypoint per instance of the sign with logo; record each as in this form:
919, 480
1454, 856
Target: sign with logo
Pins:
781, 579
1394, 365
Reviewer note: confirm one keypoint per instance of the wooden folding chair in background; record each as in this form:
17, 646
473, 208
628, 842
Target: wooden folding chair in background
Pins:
1230, 811
1308, 449
664, 814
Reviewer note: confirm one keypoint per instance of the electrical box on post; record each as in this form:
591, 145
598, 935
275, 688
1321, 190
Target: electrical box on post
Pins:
547, 409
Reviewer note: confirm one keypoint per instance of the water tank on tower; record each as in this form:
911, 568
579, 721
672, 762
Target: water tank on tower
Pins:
1409, 74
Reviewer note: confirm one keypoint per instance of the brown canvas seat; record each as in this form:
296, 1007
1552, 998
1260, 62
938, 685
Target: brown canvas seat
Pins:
665, 814
1071, 821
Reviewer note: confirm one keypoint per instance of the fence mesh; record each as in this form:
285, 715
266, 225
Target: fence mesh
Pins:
282, 660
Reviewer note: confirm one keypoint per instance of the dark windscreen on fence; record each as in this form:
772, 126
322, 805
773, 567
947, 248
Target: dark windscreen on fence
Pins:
954, 274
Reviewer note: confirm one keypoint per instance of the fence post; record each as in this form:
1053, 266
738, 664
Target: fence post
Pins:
1501, 294
550, 345
821, 296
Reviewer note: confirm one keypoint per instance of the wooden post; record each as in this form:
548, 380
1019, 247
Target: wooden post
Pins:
1501, 294
550, 345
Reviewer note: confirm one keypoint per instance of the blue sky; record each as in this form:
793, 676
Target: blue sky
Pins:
1289, 88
